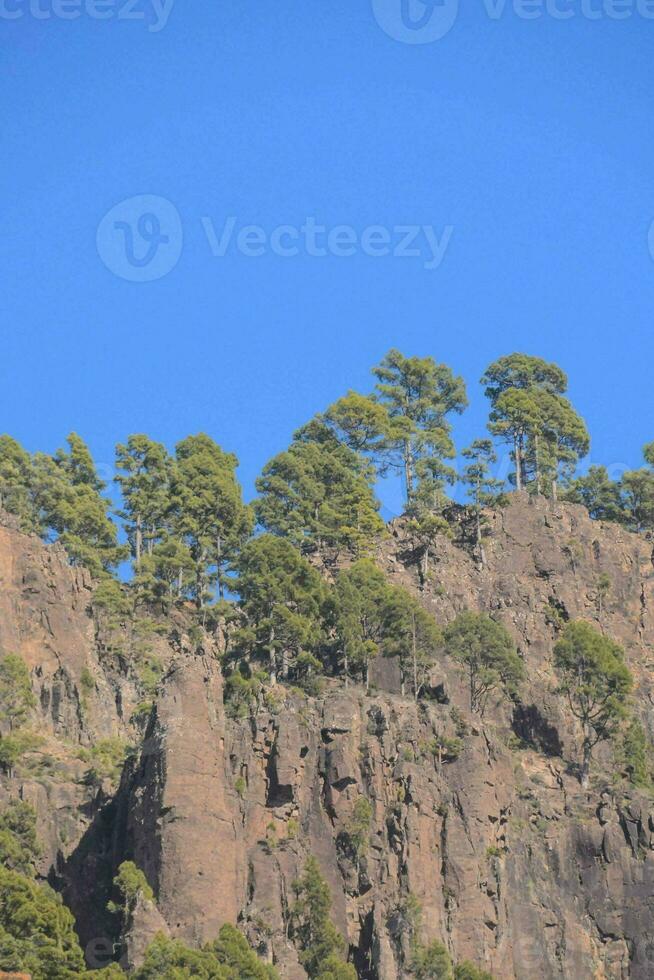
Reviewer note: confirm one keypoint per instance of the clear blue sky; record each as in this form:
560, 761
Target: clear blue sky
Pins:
532, 138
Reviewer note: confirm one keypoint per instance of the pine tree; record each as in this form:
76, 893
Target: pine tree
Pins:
418, 395
530, 412
596, 682
482, 487
598, 493
318, 494
360, 422
488, 654
16, 484
321, 944
37, 933
16, 696
637, 493
207, 512
412, 635
69, 497
282, 598
361, 601
144, 479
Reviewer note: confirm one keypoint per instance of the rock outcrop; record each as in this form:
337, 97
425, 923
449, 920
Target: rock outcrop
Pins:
515, 866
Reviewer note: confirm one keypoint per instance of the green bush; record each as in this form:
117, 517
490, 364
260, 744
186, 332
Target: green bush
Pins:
636, 755
321, 945
16, 696
229, 957
130, 883
37, 934
19, 847
15, 746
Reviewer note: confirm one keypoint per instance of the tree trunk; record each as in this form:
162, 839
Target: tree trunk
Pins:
408, 470
138, 540
271, 654
517, 452
538, 485
555, 490
585, 765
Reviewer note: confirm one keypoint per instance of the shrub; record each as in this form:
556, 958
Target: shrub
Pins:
37, 934
106, 760
130, 883
13, 747
19, 847
16, 697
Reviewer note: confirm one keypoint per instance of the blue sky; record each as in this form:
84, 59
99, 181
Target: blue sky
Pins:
530, 139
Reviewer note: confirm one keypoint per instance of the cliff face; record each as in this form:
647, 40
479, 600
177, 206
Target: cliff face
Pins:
515, 866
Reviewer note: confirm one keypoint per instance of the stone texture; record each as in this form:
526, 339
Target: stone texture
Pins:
515, 866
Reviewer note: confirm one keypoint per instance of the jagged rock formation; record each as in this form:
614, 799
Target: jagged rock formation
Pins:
515, 865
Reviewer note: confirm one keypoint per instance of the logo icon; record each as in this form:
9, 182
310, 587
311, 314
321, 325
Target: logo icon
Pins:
416, 21
141, 238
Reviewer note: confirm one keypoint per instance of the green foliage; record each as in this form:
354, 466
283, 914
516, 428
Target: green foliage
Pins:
372, 616
483, 489
19, 847
631, 501
282, 597
238, 959
242, 691
444, 748
321, 945
358, 826
318, 494
171, 959
16, 481
86, 682
144, 469
360, 606
16, 697
106, 759
488, 653
360, 422
69, 498
596, 682
431, 962
598, 493
468, 971
227, 958
530, 412
418, 395
37, 934
15, 746
130, 884
635, 755
413, 636
207, 513
637, 488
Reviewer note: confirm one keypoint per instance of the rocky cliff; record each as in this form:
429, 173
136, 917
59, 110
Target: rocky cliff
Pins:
514, 865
